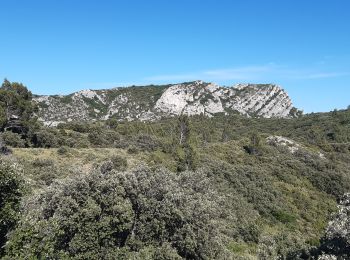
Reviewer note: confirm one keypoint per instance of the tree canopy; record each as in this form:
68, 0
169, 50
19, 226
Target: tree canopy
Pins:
16, 107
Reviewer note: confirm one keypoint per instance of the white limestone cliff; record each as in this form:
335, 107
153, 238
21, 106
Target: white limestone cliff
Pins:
192, 98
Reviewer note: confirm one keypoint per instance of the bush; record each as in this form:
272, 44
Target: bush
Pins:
62, 150
11, 191
5, 150
44, 139
147, 143
76, 140
13, 139
112, 123
284, 217
140, 214
100, 139
117, 163
75, 126
133, 150
39, 162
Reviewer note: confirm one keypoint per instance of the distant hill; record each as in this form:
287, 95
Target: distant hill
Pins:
154, 102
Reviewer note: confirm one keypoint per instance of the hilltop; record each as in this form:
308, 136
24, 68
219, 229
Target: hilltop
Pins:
155, 102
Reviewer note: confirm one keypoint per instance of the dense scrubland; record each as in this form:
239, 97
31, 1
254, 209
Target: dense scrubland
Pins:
181, 187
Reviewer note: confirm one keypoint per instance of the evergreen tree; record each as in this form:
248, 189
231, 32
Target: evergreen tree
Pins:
16, 107
186, 154
254, 147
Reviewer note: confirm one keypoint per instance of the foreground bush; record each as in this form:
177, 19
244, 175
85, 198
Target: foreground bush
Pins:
11, 189
138, 215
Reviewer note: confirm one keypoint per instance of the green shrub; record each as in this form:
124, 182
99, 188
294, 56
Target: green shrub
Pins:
39, 162
119, 162
133, 150
45, 139
142, 213
62, 150
11, 191
76, 140
112, 123
147, 143
284, 217
101, 138
13, 139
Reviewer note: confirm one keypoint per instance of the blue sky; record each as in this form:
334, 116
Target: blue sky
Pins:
58, 47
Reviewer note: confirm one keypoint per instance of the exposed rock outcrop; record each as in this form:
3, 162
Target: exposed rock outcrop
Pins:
281, 141
336, 243
152, 102
292, 146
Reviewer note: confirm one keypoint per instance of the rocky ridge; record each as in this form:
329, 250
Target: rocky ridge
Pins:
153, 102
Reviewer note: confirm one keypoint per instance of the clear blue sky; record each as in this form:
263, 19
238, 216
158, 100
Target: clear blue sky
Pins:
58, 47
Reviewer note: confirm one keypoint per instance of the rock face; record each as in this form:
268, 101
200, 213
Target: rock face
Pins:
153, 102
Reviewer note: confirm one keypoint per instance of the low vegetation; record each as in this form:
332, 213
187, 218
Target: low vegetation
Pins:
176, 188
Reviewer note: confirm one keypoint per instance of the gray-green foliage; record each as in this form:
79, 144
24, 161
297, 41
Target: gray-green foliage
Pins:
45, 138
116, 162
62, 150
100, 138
11, 190
142, 214
15, 103
273, 204
337, 238
185, 152
13, 139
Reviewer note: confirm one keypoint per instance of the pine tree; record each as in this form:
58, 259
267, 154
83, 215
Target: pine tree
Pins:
185, 153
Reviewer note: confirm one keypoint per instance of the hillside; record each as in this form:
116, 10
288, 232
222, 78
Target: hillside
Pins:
215, 186
154, 102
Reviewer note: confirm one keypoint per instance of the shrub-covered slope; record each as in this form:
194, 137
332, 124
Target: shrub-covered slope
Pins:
183, 187
226, 187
